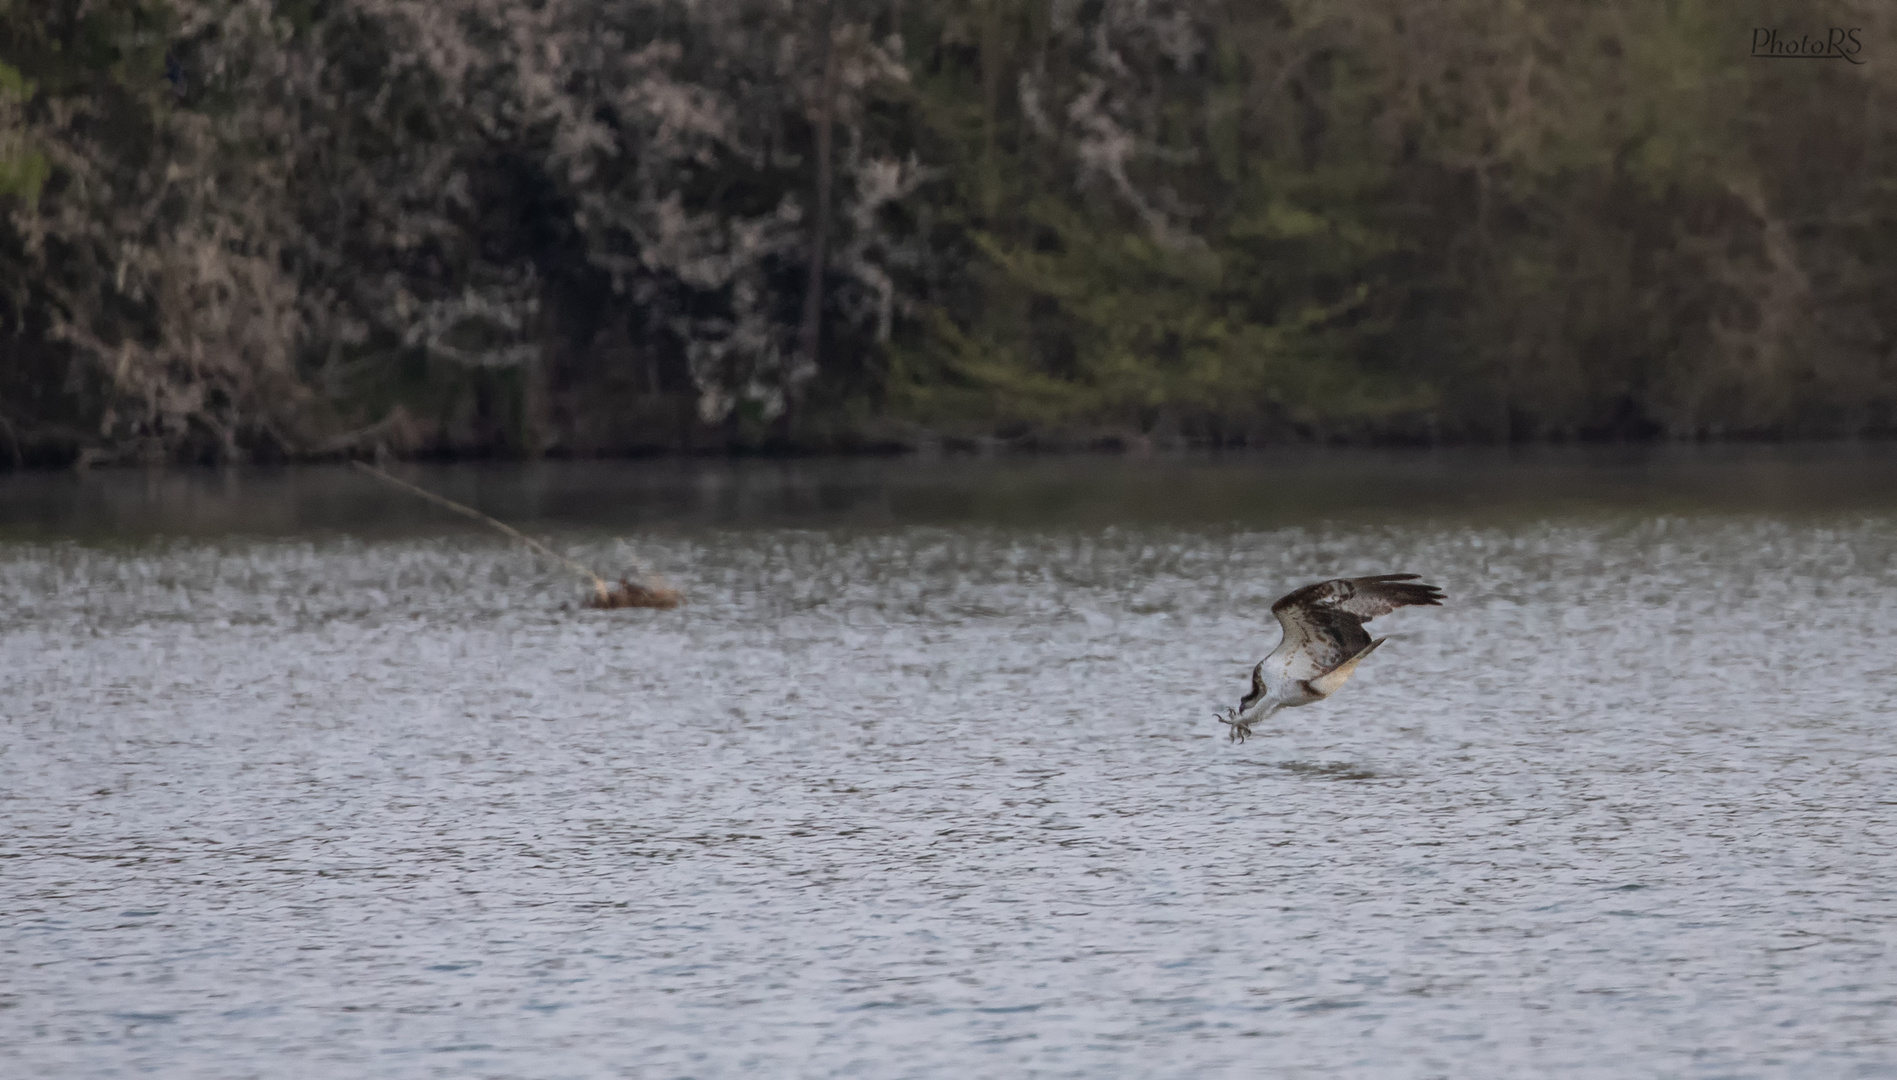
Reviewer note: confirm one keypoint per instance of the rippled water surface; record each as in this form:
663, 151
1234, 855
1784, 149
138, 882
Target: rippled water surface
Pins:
298, 779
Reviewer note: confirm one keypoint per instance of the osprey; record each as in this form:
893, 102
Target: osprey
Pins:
1324, 641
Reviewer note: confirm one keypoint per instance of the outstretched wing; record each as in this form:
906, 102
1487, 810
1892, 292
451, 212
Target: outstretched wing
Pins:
1323, 623
1369, 597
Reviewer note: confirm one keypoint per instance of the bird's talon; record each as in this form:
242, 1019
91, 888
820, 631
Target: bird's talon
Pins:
1240, 729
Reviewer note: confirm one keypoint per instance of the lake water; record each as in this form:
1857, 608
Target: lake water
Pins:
301, 777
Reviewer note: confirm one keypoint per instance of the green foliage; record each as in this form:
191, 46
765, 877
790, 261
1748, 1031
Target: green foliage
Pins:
22, 169
1110, 326
1263, 301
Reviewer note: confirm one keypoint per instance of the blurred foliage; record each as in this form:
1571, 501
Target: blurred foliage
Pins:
22, 168
307, 227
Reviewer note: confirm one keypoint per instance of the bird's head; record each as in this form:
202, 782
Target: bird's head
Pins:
1257, 688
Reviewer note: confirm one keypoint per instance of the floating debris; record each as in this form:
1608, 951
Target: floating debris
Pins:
632, 594
653, 592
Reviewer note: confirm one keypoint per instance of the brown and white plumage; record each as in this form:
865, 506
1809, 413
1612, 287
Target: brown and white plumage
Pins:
1324, 641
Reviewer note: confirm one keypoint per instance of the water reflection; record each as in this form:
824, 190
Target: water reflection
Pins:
1262, 490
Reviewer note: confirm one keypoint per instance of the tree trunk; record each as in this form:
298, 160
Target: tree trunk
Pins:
811, 334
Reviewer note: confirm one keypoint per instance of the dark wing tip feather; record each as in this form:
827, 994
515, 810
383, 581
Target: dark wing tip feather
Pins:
1413, 594
1387, 592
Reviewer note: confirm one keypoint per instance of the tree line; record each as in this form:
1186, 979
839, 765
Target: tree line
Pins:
268, 229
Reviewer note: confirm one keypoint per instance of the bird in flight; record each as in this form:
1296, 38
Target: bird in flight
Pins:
1324, 641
